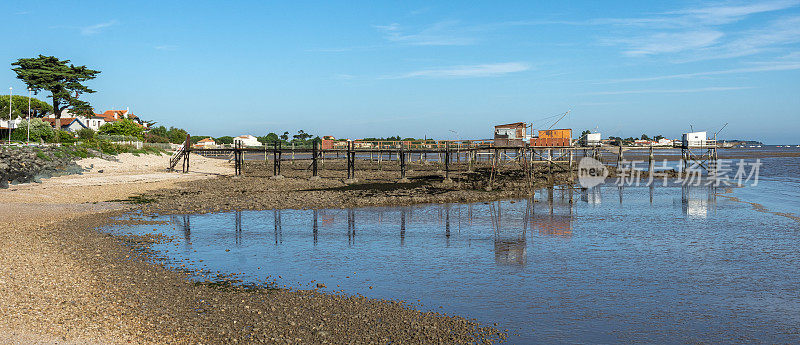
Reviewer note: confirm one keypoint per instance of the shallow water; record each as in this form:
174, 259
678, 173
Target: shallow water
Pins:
638, 264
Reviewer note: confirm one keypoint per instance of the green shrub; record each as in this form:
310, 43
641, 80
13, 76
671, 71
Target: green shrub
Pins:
39, 131
86, 134
65, 137
42, 155
155, 138
116, 137
123, 127
80, 152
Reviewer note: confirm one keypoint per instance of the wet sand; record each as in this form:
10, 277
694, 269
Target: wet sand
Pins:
63, 281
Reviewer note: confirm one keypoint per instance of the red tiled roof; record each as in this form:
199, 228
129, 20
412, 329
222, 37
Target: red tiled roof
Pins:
64, 120
206, 140
112, 112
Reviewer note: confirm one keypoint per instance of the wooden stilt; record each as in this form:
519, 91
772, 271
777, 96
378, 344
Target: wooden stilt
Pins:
314, 154
447, 160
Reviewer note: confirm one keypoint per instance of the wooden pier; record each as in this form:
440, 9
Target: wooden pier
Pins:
557, 159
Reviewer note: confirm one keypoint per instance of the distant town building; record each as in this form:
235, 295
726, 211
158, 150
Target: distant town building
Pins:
70, 124
664, 142
5, 124
591, 139
97, 120
694, 139
206, 143
247, 140
553, 137
511, 134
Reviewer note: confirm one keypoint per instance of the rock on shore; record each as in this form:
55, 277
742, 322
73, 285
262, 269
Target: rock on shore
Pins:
29, 164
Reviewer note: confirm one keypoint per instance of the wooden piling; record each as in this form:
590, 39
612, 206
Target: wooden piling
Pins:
186, 150
276, 157
550, 167
236, 158
349, 160
571, 176
314, 154
447, 160
402, 156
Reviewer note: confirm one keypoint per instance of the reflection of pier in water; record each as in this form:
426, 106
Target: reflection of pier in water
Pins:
592, 196
276, 214
510, 225
182, 224
513, 224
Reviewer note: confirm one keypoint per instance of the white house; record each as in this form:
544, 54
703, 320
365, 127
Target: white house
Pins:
247, 140
71, 124
95, 122
98, 120
14, 123
664, 142
591, 139
694, 139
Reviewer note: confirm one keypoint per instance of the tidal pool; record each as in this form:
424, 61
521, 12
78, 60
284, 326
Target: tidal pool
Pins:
637, 264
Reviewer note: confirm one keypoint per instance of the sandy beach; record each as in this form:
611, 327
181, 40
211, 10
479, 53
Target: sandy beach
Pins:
64, 282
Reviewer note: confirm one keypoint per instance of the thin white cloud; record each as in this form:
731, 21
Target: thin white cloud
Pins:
94, 29
344, 49
344, 76
678, 19
166, 47
787, 67
445, 33
724, 14
777, 33
420, 11
467, 71
705, 89
661, 43
759, 67
702, 33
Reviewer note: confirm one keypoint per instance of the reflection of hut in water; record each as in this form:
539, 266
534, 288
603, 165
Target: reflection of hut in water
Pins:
696, 201
552, 225
509, 234
510, 251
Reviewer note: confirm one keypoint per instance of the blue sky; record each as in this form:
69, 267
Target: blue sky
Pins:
417, 68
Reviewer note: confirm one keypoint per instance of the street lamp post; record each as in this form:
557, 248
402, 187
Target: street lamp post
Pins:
10, 90
29, 114
458, 145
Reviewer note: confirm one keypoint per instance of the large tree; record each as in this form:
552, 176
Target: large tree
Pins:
19, 107
62, 79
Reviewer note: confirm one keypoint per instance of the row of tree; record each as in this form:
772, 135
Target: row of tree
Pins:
301, 138
19, 107
631, 140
